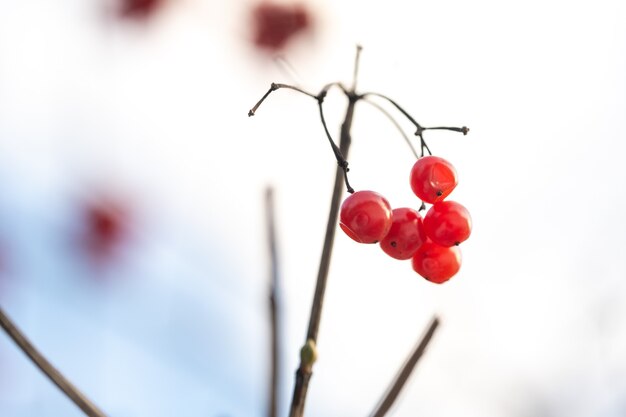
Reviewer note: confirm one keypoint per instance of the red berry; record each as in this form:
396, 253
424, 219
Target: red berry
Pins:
138, 9
448, 223
105, 228
365, 216
433, 178
274, 24
437, 263
406, 234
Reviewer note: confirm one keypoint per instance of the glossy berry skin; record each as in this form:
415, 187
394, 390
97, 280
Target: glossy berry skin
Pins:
274, 24
436, 263
433, 179
448, 223
406, 234
365, 216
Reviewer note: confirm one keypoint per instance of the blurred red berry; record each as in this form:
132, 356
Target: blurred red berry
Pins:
138, 9
105, 227
275, 24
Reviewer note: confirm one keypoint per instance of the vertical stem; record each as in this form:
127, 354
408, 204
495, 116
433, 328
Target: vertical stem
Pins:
305, 371
273, 290
46, 367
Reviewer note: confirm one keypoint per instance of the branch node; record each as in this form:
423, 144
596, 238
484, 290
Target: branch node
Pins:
308, 355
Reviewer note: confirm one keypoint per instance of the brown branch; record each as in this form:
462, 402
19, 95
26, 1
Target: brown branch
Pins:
308, 353
51, 372
405, 372
274, 87
273, 309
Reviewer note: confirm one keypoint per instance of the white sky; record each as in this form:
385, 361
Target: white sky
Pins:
533, 325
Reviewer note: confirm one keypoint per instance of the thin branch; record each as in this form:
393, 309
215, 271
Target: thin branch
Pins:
288, 68
273, 302
405, 372
51, 372
308, 353
463, 129
395, 123
274, 87
341, 160
423, 145
419, 128
397, 106
355, 74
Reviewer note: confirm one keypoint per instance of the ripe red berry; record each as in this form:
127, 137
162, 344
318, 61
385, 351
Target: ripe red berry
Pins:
433, 178
274, 24
437, 263
365, 216
448, 223
406, 234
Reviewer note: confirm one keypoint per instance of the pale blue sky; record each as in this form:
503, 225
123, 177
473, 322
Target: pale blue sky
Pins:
532, 325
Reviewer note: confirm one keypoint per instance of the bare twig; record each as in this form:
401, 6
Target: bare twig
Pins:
397, 106
305, 371
405, 372
419, 128
273, 302
51, 372
341, 161
274, 87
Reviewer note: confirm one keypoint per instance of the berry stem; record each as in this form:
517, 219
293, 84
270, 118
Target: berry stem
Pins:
419, 128
405, 372
46, 367
274, 87
397, 106
463, 129
341, 161
305, 371
395, 123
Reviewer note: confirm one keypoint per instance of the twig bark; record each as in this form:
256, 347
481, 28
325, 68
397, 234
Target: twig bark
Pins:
273, 303
405, 372
305, 370
51, 372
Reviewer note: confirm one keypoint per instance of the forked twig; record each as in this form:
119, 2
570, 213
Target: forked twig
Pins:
46, 367
339, 155
405, 372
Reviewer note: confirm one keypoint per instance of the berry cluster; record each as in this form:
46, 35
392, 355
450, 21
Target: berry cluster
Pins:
431, 242
275, 24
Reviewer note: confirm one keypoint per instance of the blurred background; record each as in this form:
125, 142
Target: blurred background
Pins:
132, 235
